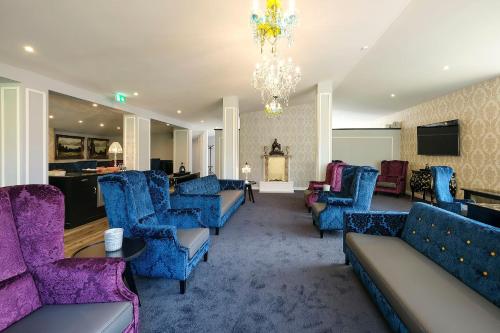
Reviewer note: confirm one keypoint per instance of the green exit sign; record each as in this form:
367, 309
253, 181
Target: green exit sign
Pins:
121, 98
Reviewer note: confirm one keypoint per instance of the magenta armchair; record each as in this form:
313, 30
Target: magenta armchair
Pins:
35, 277
392, 178
333, 178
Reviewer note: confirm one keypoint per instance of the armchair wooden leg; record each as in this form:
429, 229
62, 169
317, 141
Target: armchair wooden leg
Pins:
217, 231
205, 257
309, 209
346, 260
321, 233
182, 285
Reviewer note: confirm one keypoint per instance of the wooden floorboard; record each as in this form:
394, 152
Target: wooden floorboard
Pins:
76, 238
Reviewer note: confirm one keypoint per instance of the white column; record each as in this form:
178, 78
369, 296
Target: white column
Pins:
183, 147
203, 145
230, 144
136, 142
324, 126
218, 153
10, 135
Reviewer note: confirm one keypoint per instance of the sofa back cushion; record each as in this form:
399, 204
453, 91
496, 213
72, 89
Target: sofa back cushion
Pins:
467, 249
204, 185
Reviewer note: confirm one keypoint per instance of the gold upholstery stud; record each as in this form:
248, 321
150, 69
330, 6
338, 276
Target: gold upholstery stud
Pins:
443, 248
485, 274
468, 242
419, 219
461, 259
449, 232
427, 240
433, 225
492, 253
413, 232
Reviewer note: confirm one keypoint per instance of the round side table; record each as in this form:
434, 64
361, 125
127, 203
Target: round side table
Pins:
248, 189
131, 249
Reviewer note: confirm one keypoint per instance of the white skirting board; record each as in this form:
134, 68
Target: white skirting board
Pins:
276, 187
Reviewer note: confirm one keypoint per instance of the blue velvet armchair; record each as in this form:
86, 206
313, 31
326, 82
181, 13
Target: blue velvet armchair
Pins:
176, 239
441, 176
358, 184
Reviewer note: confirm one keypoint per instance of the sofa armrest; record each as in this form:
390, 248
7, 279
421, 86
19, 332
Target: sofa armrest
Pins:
231, 184
182, 218
387, 223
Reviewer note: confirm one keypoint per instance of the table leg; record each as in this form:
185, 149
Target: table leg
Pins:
129, 278
467, 194
244, 194
251, 194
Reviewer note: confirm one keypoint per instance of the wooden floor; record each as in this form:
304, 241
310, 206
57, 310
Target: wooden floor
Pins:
76, 238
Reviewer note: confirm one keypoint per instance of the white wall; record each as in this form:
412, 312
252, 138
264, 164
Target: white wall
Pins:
183, 146
196, 155
366, 146
162, 146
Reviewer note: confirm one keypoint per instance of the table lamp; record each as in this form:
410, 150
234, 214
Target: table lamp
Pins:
115, 148
246, 170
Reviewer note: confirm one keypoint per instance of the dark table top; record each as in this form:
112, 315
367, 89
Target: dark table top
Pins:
131, 249
481, 191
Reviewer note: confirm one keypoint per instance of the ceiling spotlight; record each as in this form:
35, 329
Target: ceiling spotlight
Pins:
94, 105
364, 48
80, 121
118, 127
202, 121
29, 49
168, 124
51, 117
136, 93
179, 111
446, 68
101, 124
393, 95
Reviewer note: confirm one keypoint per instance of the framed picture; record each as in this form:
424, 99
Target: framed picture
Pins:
69, 147
97, 148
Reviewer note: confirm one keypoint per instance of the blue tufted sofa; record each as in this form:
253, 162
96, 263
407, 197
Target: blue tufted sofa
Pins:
217, 199
428, 270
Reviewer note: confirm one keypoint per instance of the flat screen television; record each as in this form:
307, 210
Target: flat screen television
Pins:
439, 139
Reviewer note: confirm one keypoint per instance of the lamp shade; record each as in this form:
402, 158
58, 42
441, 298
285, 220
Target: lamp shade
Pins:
115, 148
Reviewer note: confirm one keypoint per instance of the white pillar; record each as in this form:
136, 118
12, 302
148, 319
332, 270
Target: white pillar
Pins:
203, 145
230, 144
218, 153
183, 147
324, 126
23, 135
136, 143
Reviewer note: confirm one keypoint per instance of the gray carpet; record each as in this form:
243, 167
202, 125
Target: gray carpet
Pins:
268, 271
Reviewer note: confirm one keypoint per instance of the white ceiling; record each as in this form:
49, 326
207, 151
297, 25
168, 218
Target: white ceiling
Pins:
187, 55
182, 54
68, 111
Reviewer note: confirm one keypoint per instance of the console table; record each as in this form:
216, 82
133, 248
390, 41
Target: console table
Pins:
489, 194
421, 181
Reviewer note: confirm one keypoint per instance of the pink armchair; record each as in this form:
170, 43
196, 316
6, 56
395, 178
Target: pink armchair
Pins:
333, 178
392, 178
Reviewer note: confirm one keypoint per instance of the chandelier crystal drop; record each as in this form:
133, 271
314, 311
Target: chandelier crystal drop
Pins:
276, 79
274, 24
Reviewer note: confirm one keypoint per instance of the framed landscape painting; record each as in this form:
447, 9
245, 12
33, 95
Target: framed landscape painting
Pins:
69, 147
97, 148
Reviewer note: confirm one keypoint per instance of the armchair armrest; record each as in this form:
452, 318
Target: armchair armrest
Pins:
231, 184
182, 218
323, 196
315, 185
345, 202
163, 231
210, 205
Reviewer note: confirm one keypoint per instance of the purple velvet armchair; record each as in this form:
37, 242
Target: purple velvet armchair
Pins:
37, 283
333, 178
392, 178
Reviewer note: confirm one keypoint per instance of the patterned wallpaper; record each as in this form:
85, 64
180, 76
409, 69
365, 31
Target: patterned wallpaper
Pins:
478, 110
295, 128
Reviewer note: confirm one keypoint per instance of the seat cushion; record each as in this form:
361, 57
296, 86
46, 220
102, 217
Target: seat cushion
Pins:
425, 296
192, 239
387, 184
77, 318
229, 197
318, 207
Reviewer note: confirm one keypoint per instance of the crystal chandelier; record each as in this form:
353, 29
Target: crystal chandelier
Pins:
273, 24
276, 79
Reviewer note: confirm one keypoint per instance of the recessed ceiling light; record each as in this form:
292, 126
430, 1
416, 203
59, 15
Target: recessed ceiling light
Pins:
136, 93
29, 49
364, 48
202, 121
179, 111
393, 95
446, 68
168, 124
118, 127
101, 124
80, 121
95, 105
51, 117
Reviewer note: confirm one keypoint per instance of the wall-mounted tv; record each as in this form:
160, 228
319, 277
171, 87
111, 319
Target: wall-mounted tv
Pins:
439, 139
